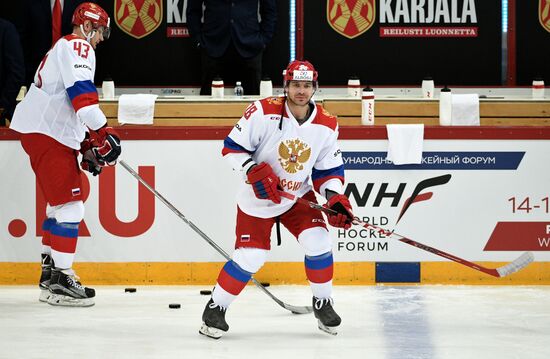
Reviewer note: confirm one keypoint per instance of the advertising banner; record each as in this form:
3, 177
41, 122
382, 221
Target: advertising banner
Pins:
493, 205
399, 42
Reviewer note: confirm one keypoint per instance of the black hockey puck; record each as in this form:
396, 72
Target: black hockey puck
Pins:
206, 292
130, 290
265, 284
174, 306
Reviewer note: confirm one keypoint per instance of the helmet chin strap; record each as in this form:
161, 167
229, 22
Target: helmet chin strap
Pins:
88, 36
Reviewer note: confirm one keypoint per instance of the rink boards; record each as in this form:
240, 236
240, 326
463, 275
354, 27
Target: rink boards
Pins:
494, 206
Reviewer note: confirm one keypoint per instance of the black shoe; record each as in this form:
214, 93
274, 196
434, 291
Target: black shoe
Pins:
327, 318
213, 318
66, 290
45, 277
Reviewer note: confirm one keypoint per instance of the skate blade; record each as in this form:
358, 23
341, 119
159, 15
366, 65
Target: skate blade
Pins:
66, 301
329, 330
44, 295
211, 332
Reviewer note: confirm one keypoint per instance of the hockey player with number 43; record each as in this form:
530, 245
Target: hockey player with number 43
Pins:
59, 117
287, 144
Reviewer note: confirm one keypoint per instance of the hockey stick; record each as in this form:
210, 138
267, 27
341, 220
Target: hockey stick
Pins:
512, 267
294, 309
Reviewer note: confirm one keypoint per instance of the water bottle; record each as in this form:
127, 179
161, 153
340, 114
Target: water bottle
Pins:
266, 87
239, 91
428, 87
217, 88
108, 89
445, 106
367, 106
354, 87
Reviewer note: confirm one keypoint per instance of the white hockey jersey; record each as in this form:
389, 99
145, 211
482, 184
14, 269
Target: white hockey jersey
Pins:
63, 99
300, 155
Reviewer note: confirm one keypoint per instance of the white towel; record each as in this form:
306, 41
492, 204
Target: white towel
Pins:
405, 143
136, 109
465, 110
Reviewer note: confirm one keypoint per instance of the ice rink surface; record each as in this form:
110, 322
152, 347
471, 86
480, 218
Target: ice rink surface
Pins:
394, 322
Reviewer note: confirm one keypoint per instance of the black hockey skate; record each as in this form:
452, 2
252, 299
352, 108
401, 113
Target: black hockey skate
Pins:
45, 277
66, 290
213, 320
327, 318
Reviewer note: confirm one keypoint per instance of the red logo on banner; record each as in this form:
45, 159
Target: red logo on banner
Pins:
107, 205
544, 14
351, 18
520, 236
138, 18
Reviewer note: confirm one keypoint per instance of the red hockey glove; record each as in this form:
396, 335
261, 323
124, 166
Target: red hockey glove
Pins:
89, 161
87, 144
264, 182
108, 148
344, 217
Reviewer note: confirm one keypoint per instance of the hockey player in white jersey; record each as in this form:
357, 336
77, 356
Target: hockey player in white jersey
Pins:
59, 117
288, 144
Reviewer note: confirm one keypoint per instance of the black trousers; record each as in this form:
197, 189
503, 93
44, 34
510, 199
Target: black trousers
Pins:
231, 67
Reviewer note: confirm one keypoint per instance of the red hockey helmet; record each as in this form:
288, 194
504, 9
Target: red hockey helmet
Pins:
94, 13
300, 71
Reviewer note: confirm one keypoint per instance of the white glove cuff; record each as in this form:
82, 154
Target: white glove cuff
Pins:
333, 184
247, 165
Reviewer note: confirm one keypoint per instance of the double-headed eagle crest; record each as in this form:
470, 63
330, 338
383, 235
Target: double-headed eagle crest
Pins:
275, 100
292, 155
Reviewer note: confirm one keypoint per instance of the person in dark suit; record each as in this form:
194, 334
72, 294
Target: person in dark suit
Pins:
12, 71
232, 39
35, 29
